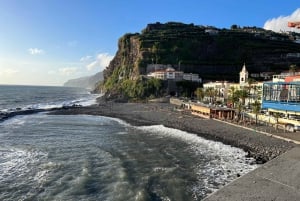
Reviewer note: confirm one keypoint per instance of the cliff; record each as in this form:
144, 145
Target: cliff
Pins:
211, 52
88, 82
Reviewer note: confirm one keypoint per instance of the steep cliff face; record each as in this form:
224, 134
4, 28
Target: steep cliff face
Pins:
125, 60
213, 53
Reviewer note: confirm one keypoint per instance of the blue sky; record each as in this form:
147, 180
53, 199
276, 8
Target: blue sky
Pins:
47, 42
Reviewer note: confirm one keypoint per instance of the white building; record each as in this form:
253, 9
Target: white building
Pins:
191, 77
212, 31
223, 88
244, 76
160, 74
281, 77
167, 74
172, 74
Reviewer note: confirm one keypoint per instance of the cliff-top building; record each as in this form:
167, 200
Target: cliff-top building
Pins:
171, 74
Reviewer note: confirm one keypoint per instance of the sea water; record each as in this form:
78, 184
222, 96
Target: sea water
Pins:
81, 157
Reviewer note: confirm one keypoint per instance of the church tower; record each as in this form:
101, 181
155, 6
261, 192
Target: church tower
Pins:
244, 76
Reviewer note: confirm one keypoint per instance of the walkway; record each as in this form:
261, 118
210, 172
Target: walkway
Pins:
278, 179
270, 131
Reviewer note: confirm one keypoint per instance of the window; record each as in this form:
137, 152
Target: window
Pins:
281, 92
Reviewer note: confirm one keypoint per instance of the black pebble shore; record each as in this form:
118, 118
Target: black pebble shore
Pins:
262, 147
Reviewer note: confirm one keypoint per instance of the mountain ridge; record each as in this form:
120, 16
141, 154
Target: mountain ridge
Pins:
88, 82
211, 52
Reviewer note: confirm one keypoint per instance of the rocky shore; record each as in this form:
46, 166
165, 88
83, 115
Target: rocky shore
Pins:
7, 115
262, 147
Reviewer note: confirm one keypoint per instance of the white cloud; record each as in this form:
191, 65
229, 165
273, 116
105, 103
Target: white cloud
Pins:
68, 71
86, 58
8, 72
101, 62
281, 23
35, 51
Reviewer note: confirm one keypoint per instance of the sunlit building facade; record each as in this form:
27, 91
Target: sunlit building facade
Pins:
283, 97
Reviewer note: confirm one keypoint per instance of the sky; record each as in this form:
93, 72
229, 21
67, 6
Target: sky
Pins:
47, 42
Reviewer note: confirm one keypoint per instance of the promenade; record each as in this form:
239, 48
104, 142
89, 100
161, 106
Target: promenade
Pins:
277, 179
269, 131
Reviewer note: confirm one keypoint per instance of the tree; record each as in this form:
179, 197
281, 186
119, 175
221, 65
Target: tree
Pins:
187, 88
251, 81
199, 94
233, 97
242, 94
276, 115
211, 93
240, 108
256, 106
234, 26
153, 86
155, 51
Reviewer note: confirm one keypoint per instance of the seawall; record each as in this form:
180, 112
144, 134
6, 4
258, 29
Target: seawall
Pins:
277, 179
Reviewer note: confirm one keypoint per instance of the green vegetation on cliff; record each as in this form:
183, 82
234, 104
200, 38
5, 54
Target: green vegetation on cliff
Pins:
212, 53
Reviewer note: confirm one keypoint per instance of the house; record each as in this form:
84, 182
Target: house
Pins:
212, 31
206, 111
283, 99
171, 74
222, 88
191, 77
281, 77
167, 74
293, 55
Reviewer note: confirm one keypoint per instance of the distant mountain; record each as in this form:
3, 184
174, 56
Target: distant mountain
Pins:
88, 82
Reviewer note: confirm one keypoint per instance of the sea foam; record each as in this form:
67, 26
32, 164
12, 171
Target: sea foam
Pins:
226, 162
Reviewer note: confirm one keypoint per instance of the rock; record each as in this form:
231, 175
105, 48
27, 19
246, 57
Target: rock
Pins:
260, 160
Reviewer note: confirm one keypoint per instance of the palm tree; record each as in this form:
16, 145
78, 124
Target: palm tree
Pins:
211, 93
276, 115
233, 97
256, 106
258, 92
240, 108
199, 93
251, 81
242, 94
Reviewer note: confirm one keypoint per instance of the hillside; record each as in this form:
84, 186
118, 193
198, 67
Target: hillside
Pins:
211, 52
88, 82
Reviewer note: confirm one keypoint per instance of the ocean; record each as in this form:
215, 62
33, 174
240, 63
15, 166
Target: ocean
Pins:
82, 157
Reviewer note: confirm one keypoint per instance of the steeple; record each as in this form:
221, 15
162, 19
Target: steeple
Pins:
244, 68
244, 76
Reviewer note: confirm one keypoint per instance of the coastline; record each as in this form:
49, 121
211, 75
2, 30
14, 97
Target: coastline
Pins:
262, 147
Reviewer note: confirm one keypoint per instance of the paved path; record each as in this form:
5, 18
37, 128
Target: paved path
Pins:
269, 131
278, 179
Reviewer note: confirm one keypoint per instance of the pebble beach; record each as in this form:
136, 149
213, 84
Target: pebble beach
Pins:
262, 147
